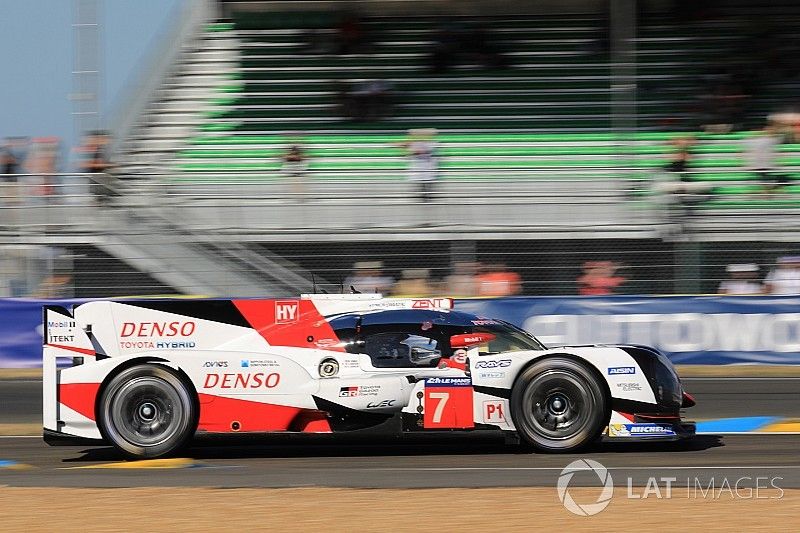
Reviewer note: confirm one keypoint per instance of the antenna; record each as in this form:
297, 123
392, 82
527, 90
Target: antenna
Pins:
313, 284
353, 290
341, 284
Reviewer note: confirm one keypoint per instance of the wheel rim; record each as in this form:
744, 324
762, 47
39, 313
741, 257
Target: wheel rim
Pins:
557, 404
146, 411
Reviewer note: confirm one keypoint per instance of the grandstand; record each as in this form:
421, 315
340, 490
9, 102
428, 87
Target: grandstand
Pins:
563, 140
548, 115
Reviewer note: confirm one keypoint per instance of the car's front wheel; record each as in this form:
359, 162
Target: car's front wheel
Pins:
147, 411
558, 405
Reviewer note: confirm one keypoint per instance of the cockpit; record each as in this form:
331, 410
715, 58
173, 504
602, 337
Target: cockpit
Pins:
421, 338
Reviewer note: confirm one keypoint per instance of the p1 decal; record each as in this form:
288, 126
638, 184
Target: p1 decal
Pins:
494, 412
448, 403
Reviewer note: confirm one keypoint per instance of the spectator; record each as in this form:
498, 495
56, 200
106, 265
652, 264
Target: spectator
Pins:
497, 280
761, 158
680, 192
599, 278
786, 125
295, 167
479, 46
8, 160
13, 155
41, 164
55, 285
371, 100
345, 106
414, 282
351, 38
368, 277
315, 41
679, 162
9, 168
723, 101
97, 164
365, 101
742, 279
445, 47
423, 164
785, 278
455, 42
462, 283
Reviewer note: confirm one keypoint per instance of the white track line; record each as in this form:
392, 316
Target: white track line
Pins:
745, 433
559, 469
720, 378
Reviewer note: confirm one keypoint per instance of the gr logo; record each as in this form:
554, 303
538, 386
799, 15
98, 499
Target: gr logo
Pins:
603, 499
286, 311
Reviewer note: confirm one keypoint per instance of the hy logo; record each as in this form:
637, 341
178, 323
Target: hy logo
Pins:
589, 509
286, 311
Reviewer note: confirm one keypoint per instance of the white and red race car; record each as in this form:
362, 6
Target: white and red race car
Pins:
147, 376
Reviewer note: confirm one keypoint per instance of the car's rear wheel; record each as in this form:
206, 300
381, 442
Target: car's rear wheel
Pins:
558, 405
147, 411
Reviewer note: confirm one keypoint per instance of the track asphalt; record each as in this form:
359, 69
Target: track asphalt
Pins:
423, 461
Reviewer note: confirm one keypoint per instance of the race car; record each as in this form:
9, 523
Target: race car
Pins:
148, 376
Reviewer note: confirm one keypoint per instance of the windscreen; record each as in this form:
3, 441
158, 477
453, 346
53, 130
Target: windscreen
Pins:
508, 338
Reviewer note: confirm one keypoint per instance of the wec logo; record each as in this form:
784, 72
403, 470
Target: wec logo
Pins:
382, 403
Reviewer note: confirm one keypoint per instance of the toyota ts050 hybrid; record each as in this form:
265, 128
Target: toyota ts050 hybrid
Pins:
147, 376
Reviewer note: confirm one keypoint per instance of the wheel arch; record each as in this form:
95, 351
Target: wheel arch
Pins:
592, 368
143, 360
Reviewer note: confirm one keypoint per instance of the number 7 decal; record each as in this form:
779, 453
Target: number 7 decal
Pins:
437, 412
448, 403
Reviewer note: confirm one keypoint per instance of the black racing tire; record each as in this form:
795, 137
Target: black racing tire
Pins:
558, 405
147, 411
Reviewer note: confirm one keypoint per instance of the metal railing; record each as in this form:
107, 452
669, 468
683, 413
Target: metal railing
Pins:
79, 202
244, 238
285, 205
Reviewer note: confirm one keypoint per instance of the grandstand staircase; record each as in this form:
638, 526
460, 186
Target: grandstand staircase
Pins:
142, 231
147, 236
207, 62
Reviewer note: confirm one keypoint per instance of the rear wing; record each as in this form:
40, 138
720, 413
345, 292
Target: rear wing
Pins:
330, 304
62, 338
62, 332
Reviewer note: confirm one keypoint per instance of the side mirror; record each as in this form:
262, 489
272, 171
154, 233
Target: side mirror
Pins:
422, 350
467, 340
